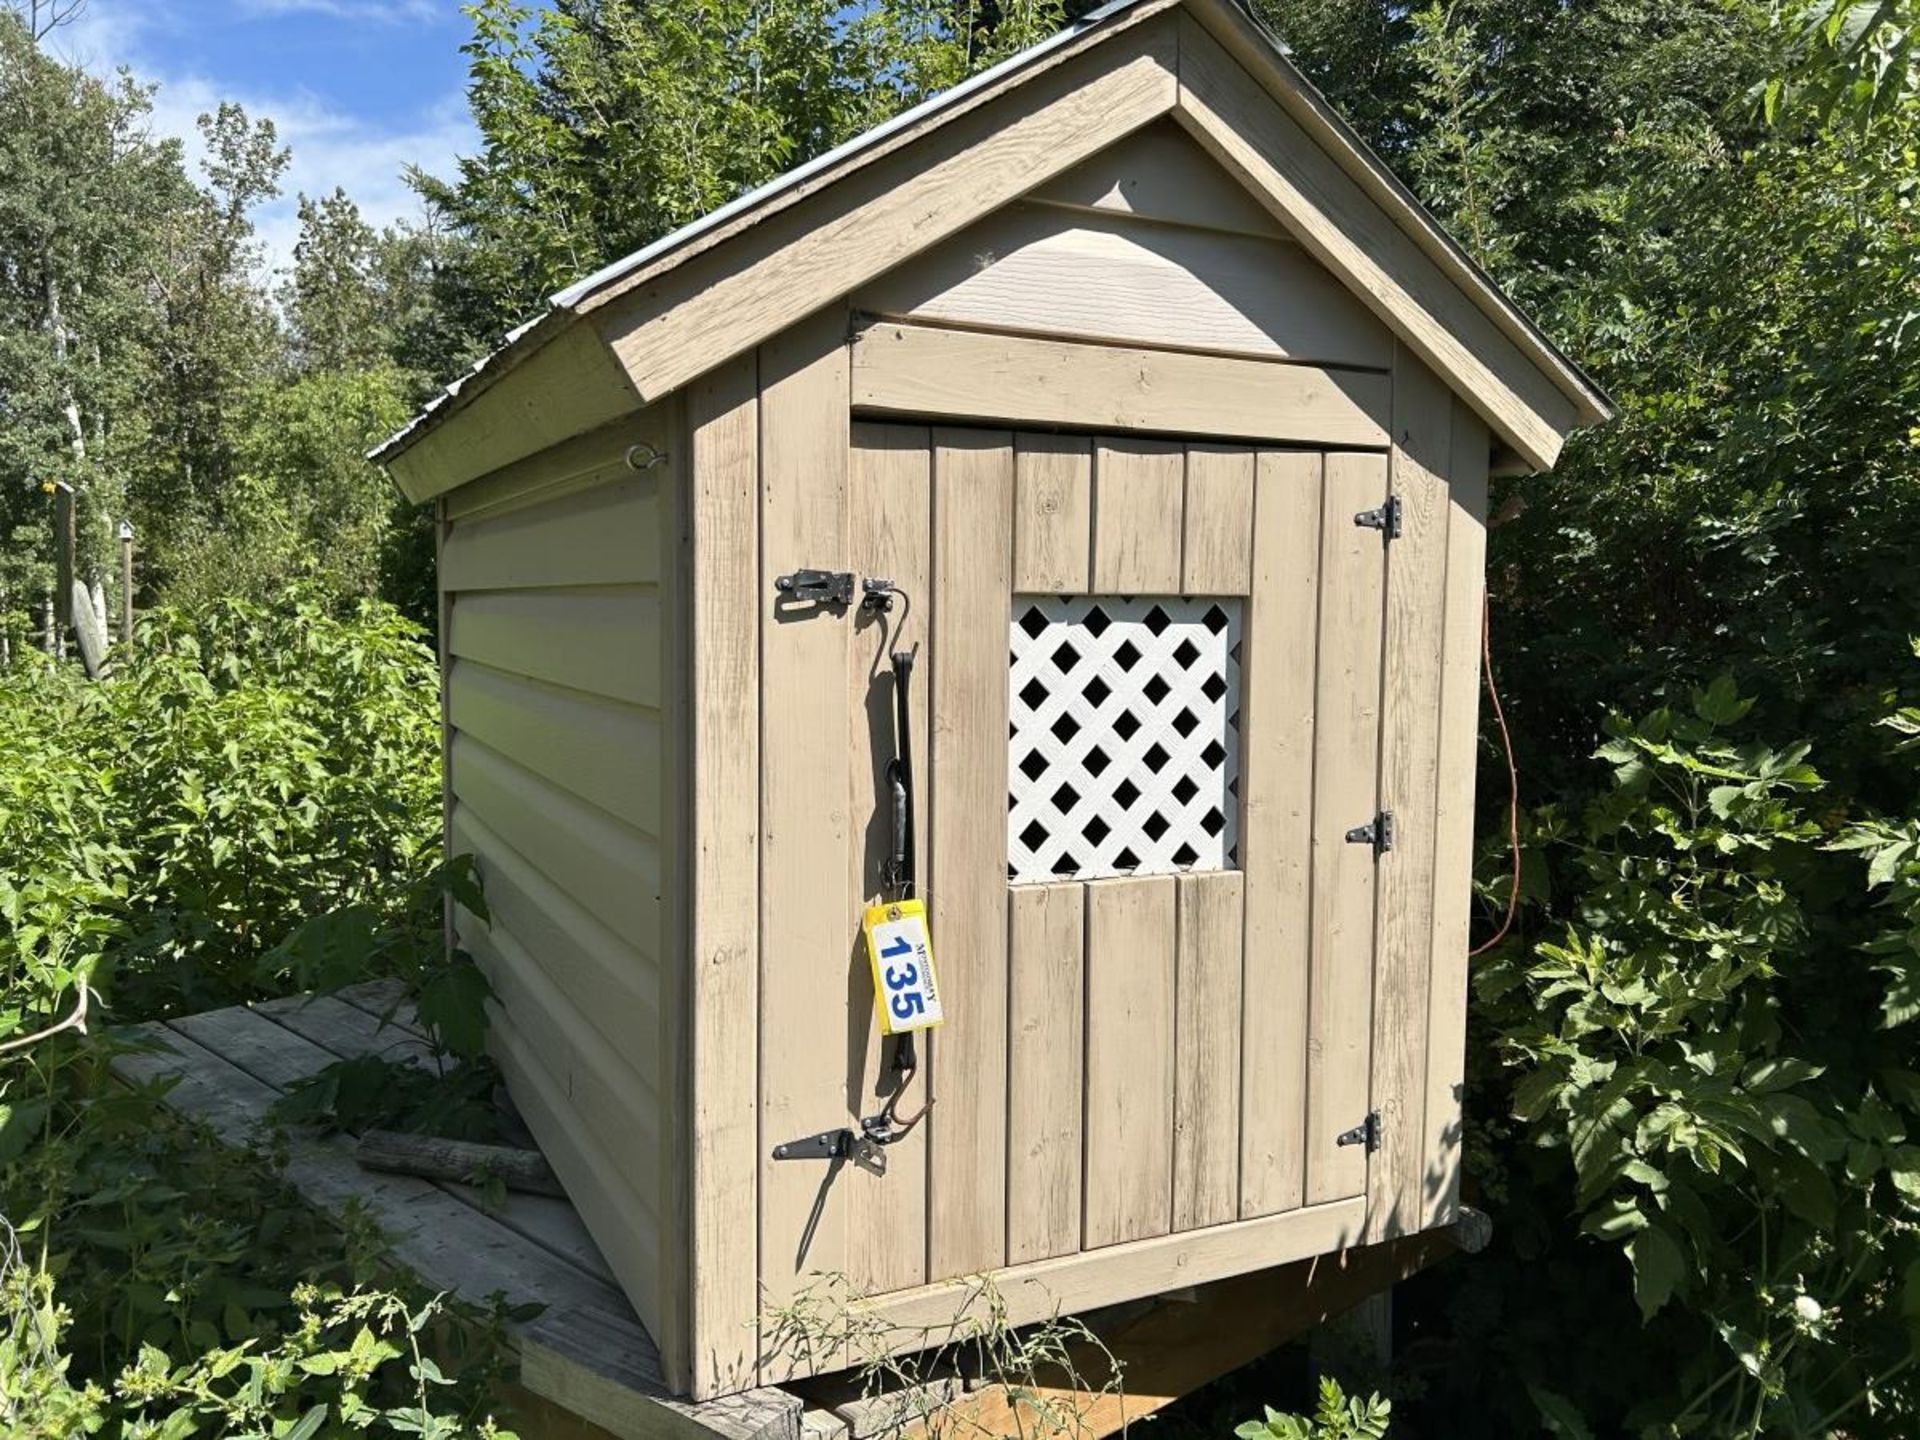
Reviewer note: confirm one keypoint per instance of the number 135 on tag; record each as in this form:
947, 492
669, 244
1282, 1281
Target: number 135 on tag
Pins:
902, 953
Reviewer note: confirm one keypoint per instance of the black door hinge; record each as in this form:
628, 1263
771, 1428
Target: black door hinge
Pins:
1377, 832
1386, 519
841, 1144
1366, 1133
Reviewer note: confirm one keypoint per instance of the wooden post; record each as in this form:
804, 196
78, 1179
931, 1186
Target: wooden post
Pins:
126, 583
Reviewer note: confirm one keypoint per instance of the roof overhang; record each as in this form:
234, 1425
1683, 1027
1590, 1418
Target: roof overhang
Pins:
644, 326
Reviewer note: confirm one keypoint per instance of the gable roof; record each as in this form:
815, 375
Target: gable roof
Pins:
646, 324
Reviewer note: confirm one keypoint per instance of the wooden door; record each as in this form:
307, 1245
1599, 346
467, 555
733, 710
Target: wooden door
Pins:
1126, 1054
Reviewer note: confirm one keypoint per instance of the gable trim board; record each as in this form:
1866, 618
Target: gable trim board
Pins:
721, 286
973, 377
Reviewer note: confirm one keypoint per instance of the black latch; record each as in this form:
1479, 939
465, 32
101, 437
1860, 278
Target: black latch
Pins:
841, 1144
1377, 832
1366, 1133
1386, 519
816, 587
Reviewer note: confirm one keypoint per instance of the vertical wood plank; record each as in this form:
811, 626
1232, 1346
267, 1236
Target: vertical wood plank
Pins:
670, 539
1453, 815
1409, 761
1217, 549
1052, 514
807, 912
1138, 497
1207, 1046
1130, 1076
1045, 1059
889, 510
722, 869
967, 890
1276, 781
1346, 794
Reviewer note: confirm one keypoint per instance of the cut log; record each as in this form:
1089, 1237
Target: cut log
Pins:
470, 1163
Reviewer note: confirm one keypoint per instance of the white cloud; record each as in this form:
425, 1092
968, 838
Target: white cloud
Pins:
382, 12
331, 147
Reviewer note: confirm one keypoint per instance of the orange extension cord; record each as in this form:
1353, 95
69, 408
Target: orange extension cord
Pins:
1513, 778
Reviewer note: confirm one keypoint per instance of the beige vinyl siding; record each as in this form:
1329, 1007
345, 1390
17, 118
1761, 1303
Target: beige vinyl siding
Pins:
609, 868
1157, 173
605, 536
1039, 270
603, 751
604, 641
559, 713
581, 957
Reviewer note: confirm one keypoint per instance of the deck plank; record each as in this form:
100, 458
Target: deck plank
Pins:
384, 999
346, 1030
446, 1242
279, 1057
585, 1350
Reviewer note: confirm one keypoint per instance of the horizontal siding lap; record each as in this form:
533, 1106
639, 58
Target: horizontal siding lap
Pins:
580, 955
600, 641
606, 752
556, 693
605, 1096
611, 869
606, 535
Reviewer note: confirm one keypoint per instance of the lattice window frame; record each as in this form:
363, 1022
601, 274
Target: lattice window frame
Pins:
1132, 704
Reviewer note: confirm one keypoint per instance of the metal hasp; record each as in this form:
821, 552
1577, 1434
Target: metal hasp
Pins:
1386, 519
816, 587
1377, 832
841, 1144
1366, 1133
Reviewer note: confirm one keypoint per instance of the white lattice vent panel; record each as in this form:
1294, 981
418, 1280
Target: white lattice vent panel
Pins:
1125, 749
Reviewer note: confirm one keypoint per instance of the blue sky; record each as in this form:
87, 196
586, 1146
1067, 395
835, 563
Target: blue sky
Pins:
357, 88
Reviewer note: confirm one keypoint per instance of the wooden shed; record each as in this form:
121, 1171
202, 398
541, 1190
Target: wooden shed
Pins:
1127, 392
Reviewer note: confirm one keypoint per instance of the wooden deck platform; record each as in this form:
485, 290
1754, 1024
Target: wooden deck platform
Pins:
586, 1359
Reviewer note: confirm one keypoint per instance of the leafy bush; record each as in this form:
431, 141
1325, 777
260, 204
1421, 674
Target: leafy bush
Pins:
1723, 1087
355, 1363
1335, 1418
249, 768
247, 806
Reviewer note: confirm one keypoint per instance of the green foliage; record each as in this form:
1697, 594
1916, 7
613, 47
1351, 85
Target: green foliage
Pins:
1685, 1045
352, 1363
1335, 1418
303, 504
247, 769
1855, 61
142, 360
248, 804
689, 105
86, 205
371, 1092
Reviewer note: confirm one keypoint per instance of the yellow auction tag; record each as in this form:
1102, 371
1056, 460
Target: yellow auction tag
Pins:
902, 955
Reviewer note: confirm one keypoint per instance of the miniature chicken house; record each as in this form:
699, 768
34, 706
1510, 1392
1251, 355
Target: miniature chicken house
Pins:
1125, 395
